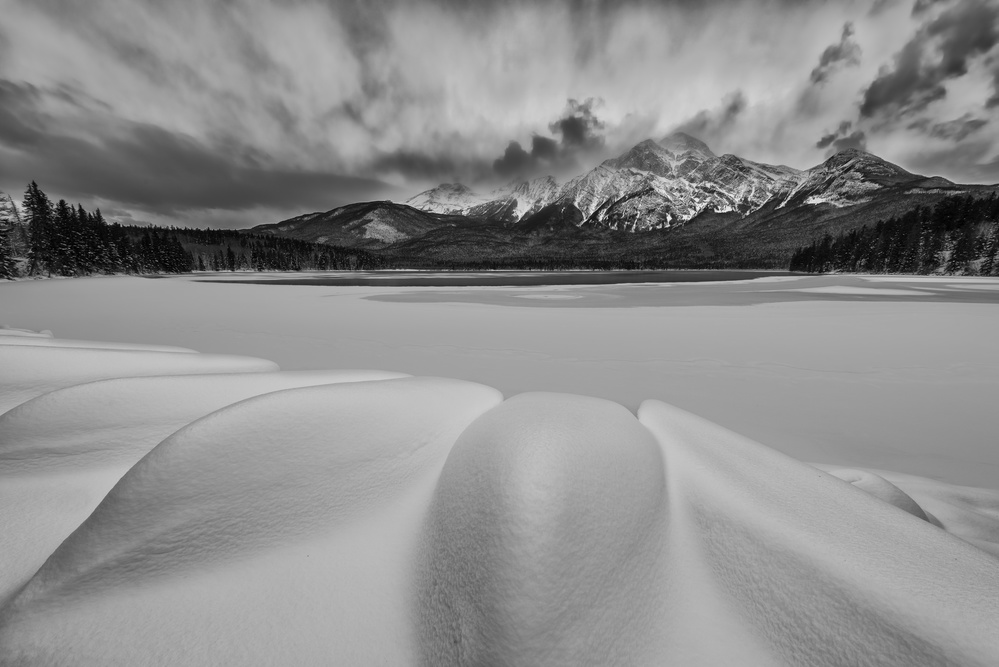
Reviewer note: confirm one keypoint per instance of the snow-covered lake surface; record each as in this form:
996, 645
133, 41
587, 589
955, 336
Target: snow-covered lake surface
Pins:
847, 375
571, 477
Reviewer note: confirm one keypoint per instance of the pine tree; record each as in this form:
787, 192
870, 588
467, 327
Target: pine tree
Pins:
63, 240
8, 269
38, 211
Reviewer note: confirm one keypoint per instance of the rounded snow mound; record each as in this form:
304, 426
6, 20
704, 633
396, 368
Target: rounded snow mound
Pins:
61, 452
258, 474
545, 537
880, 488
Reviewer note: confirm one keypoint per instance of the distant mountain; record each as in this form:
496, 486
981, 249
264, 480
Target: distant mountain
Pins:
700, 209
658, 185
366, 225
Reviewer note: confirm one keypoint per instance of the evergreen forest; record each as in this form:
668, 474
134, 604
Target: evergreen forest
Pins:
959, 235
56, 239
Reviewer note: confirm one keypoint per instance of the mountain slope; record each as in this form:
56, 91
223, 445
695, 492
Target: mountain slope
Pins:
365, 225
671, 202
654, 185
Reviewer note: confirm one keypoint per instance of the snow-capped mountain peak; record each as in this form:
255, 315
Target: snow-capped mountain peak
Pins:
659, 184
681, 142
447, 198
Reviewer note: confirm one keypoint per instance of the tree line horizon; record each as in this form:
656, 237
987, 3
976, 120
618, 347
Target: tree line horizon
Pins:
958, 235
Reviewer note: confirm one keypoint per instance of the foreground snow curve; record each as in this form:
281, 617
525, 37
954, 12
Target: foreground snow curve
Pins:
823, 573
61, 452
545, 539
360, 517
32, 370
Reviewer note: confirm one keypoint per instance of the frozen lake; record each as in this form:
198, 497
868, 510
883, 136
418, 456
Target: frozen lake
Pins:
897, 373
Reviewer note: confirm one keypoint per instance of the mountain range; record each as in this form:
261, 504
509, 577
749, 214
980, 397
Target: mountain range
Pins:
672, 200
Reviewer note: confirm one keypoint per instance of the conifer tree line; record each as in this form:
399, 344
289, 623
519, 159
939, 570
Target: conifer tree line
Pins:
69, 241
959, 235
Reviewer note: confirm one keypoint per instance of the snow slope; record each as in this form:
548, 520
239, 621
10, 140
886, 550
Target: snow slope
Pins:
426, 520
31, 370
71, 446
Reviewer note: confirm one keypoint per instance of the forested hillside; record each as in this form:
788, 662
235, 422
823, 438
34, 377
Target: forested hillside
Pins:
959, 235
69, 241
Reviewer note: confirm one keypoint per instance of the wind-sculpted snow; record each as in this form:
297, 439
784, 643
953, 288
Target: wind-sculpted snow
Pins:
60, 453
822, 573
359, 518
545, 539
32, 370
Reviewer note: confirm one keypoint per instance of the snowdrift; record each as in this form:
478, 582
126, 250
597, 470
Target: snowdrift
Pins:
166, 508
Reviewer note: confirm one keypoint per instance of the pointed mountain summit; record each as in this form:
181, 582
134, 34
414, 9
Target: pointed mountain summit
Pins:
681, 142
733, 207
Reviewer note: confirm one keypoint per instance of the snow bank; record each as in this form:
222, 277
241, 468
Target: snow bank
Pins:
820, 572
358, 518
967, 512
544, 541
10, 332
296, 511
880, 488
44, 341
30, 370
60, 453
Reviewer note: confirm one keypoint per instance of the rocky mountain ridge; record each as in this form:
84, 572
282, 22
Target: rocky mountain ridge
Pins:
666, 183
666, 203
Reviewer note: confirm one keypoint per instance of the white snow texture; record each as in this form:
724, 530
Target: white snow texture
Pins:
164, 507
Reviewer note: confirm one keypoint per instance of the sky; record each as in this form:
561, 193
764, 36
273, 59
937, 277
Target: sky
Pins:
232, 113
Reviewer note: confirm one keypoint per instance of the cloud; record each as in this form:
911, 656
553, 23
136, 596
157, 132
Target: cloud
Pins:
579, 133
879, 6
993, 101
940, 50
413, 92
844, 53
153, 169
711, 124
842, 138
578, 126
953, 130
922, 6
971, 161
515, 161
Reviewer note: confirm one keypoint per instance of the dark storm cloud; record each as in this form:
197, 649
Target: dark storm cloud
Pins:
579, 130
954, 130
844, 53
709, 124
842, 139
921, 6
443, 166
971, 162
879, 6
993, 101
18, 126
579, 127
155, 169
515, 160
941, 50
